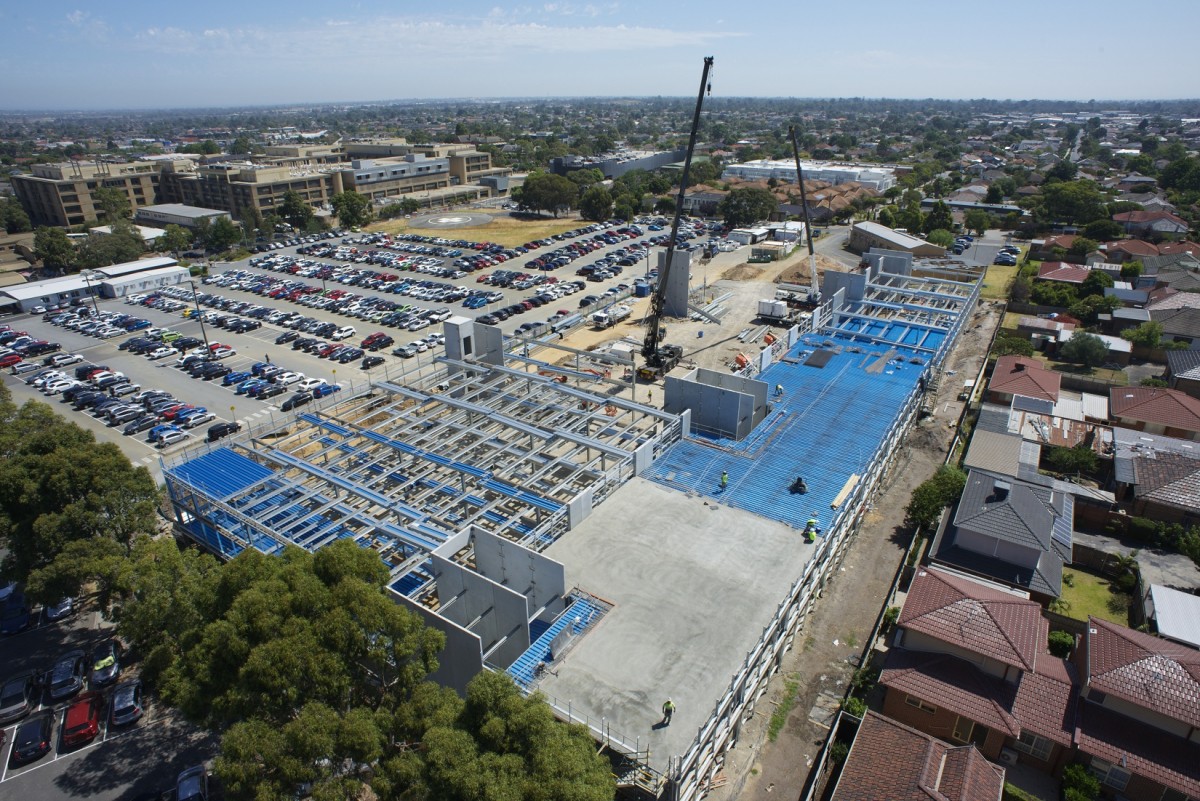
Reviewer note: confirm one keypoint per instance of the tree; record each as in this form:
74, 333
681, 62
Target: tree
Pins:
939, 217
940, 237
122, 244
933, 495
1103, 230
596, 204
994, 194
1061, 643
747, 206
1078, 459
1012, 346
175, 239
410, 205
1096, 282
240, 146
352, 209
585, 178
978, 221
13, 216
1131, 270
909, 217
1064, 170
624, 210
1146, 335
548, 192
224, 233
1073, 201
112, 203
294, 210
52, 247
1084, 348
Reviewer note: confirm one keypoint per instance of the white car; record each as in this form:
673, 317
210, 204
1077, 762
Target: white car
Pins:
310, 383
63, 359
345, 332
162, 353
24, 367
199, 419
287, 379
168, 438
55, 387
421, 345
222, 353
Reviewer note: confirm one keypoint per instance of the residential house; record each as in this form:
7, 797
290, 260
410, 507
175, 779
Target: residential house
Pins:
1046, 248
1183, 371
1009, 531
1179, 323
1128, 250
1063, 272
1139, 712
970, 664
1157, 477
1156, 411
1021, 375
889, 760
1183, 246
1147, 223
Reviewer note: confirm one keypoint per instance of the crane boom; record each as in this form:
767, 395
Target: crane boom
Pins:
814, 292
660, 358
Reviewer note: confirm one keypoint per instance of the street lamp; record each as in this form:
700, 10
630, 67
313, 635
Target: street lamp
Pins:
200, 317
87, 276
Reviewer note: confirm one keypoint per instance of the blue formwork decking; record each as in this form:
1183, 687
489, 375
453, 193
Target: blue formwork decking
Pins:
220, 473
826, 427
582, 613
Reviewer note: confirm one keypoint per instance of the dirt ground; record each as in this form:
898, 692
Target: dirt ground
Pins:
826, 651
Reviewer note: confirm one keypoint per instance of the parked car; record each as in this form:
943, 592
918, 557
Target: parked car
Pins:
296, 401
371, 361
221, 430
18, 697
193, 420
81, 723
106, 663
126, 703
192, 784
32, 739
169, 438
325, 389
65, 678
60, 609
15, 616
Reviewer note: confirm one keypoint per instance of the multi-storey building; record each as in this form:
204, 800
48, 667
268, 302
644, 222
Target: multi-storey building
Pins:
63, 194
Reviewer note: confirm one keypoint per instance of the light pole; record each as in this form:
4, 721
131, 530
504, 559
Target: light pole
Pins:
87, 279
200, 317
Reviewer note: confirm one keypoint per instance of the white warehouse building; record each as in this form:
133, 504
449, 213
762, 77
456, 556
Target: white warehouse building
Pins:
873, 177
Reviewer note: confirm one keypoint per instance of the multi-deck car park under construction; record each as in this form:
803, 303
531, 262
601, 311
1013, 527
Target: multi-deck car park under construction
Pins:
585, 544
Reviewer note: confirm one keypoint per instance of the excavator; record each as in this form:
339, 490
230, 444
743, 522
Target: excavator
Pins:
661, 358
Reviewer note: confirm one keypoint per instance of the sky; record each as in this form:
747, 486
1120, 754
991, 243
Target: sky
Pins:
133, 54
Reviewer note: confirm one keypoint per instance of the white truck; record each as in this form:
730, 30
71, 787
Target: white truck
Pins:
773, 311
610, 316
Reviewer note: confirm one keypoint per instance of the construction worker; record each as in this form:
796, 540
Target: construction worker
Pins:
779, 390
810, 530
668, 711
724, 479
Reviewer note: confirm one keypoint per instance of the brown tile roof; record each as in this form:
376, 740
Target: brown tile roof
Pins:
1045, 702
896, 762
982, 620
1145, 670
1063, 241
1134, 247
1171, 248
1148, 216
954, 684
1166, 407
1019, 375
1063, 272
1140, 748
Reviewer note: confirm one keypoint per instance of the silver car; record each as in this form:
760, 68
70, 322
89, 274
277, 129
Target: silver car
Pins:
18, 696
126, 703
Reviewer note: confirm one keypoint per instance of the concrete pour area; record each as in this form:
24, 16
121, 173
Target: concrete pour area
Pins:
693, 583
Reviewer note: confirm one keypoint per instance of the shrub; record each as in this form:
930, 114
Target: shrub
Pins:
864, 680
854, 706
838, 753
933, 495
1061, 643
1078, 783
890, 617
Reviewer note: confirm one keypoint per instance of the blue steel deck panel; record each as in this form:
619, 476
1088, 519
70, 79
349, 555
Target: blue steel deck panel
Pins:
220, 472
580, 616
825, 428
325, 424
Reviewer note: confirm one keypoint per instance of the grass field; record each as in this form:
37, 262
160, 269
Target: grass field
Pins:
1114, 377
997, 281
503, 230
1092, 595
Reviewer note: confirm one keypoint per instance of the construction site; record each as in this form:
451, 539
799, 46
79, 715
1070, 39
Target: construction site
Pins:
609, 542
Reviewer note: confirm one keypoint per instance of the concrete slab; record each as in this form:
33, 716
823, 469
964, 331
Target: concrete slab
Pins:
693, 583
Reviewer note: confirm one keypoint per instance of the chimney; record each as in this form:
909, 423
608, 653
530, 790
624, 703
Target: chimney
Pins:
1020, 367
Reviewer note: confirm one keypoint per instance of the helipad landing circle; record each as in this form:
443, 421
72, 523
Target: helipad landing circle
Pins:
452, 219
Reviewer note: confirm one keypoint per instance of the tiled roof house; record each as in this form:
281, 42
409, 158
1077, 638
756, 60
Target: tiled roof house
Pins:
1156, 411
1020, 375
889, 760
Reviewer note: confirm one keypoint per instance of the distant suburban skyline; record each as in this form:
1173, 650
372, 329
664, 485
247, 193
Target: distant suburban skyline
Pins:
148, 55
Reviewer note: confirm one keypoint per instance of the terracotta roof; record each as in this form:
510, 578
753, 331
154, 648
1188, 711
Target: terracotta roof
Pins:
1145, 670
1139, 747
1170, 248
1063, 241
1045, 702
1062, 272
1019, 375
982, 620
892, 761
1134, 247
1166, 407
1147, 216
952, 683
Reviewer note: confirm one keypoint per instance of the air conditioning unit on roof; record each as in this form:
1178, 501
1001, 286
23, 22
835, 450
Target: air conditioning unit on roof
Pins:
1008, 756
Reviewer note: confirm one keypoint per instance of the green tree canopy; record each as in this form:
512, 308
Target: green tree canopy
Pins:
222, 234
978, 221
1084, 348
1081, 247
295, 210
13, 216
175, 239
1147, 335
585, 178
122, 245
1096, 282
933, 495
940, 236
548, 192
1103, 230
1078, 459
596, 204
112, 203
939, 217
747, 206
352, 209
1073, 201
52, 247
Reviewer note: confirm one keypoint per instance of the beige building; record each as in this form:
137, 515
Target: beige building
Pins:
62, 194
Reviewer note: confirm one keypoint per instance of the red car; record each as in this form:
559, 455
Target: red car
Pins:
82, 722
10, 360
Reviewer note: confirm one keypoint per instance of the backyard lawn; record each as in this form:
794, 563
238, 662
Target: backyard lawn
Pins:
997, 281
1092, 595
